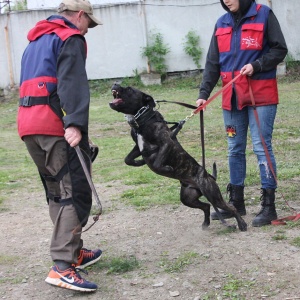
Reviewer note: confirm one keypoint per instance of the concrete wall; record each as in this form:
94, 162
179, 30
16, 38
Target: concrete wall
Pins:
114, 49
38, 4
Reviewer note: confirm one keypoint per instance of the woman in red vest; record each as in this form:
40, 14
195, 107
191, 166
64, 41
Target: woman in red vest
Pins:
247, 40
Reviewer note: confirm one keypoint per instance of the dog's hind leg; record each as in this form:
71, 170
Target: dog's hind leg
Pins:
211, 191
189, 196
221, 218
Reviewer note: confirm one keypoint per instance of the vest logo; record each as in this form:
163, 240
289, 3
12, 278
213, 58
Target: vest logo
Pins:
250, 42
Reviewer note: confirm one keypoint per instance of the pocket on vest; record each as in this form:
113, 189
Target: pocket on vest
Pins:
224, 38
252, 36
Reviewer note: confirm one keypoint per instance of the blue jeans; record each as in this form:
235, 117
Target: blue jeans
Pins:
236, 125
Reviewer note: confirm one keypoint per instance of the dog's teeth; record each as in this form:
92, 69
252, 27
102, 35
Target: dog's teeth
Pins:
114, 93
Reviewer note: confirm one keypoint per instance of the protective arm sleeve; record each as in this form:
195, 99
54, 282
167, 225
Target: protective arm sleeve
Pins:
73, 87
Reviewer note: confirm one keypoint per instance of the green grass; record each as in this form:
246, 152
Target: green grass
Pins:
148, 195
279, 237
16, 167
225, 230
234, 288
178, 264
292, 224
11, 280
110, 131
117, 265
8, 259
296, 242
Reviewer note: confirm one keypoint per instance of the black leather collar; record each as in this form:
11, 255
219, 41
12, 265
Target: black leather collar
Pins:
141, 117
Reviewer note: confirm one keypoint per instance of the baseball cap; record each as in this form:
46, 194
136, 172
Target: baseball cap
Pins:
77, 5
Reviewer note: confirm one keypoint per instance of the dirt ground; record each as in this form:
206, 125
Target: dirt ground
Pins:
235, 265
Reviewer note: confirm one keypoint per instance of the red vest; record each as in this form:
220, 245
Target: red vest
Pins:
38, 79
242, 44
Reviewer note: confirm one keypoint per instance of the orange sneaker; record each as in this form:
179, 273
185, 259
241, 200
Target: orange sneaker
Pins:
70, 279
88, 257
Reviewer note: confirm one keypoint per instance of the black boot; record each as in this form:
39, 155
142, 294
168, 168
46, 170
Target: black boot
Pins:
236, 198
268, 211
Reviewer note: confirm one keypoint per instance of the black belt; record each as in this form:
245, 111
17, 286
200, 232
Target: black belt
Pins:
30, 101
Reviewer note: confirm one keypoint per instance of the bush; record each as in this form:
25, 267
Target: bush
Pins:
156, 52
191, 47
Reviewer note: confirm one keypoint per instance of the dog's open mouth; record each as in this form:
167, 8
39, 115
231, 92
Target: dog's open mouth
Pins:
117, 100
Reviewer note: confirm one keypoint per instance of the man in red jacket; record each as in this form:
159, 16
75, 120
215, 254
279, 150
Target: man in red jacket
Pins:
247, 40
53, 119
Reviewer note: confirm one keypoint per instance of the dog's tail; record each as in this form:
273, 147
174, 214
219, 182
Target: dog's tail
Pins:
215, 173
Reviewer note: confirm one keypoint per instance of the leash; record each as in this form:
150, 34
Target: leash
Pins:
197, 109
260, 133
176, 102
201, 109
201, 125
89, 179
296, 216
202, 137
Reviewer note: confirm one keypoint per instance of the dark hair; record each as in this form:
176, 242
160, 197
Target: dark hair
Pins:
244, 6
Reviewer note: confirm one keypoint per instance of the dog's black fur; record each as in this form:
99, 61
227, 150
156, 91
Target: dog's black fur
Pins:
160, 150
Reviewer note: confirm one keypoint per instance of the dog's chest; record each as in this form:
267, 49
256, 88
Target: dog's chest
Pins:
140, 142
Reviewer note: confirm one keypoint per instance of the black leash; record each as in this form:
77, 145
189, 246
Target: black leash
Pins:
202, 137
201, 124
180, 103
91, 184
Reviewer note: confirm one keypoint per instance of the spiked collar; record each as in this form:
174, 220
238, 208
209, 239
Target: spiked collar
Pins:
141, 117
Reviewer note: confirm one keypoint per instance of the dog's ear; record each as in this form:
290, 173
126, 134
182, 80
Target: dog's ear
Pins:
148, 100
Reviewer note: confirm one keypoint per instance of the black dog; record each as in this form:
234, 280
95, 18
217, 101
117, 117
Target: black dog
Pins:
160, 150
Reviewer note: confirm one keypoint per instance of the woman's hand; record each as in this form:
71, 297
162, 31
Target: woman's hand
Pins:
247, 70
200, 102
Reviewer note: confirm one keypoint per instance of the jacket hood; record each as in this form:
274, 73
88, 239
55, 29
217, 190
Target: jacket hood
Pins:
244, 6
56, 25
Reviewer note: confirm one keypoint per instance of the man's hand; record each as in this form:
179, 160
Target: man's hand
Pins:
73, 136
247, 70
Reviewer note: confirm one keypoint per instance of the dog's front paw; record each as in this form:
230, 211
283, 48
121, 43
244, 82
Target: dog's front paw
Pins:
243, 226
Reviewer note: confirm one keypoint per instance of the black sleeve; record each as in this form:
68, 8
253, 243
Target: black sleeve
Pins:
73, 87
211, 72
278, 48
